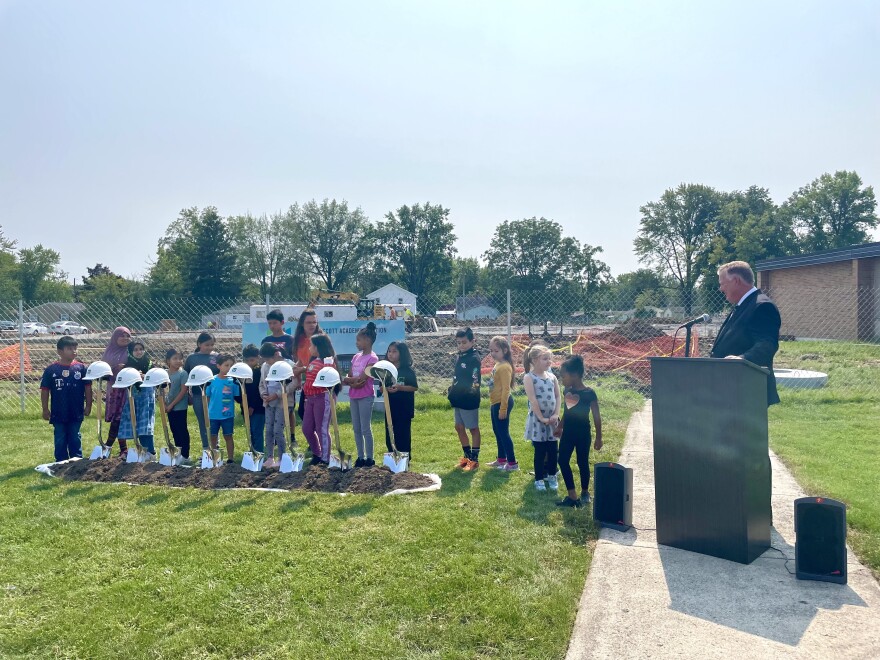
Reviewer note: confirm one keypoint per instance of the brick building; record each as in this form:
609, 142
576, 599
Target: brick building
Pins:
834, 294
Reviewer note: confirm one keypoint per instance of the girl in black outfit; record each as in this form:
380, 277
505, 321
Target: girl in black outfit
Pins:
574, 429
401, 397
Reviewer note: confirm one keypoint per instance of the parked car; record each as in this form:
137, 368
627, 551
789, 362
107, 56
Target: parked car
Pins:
8, 325
36, 329
67, 328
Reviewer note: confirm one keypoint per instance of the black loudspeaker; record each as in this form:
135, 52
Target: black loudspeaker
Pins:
612, 503
820, 539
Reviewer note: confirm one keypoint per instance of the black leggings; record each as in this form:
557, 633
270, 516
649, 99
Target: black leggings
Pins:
402, 434
179, 430
545, 459
581, 443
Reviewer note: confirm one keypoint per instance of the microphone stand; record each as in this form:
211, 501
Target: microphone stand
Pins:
687, 341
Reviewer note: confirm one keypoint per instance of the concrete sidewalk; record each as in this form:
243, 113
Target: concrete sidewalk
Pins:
642, 600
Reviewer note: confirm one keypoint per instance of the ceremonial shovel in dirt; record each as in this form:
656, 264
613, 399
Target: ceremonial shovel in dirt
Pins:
394, 460
251, 460
170, 454
99, 371
328, 377
291, 460
126, 380
200, 376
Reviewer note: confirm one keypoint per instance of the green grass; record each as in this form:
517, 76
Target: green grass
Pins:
484, 568
830, 437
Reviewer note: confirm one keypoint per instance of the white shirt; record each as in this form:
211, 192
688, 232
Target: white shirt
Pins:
747, 294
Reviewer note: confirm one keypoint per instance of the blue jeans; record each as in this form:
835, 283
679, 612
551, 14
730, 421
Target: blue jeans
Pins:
258, 426
501, 429
227, 424
68, 441
147, 443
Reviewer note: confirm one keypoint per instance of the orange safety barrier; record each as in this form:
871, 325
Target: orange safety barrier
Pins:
10, 363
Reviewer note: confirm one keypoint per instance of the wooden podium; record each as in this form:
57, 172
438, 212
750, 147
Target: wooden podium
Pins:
711, 465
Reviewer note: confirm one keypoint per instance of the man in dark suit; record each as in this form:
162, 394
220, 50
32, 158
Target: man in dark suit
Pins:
751, 330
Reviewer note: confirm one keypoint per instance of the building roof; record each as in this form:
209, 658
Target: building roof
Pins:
863, 251
390, 285
473, 301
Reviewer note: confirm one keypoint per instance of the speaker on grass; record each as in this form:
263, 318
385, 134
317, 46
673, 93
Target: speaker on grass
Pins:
612, 503
820, 539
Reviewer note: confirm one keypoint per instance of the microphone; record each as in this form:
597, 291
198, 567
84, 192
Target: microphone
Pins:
700, 319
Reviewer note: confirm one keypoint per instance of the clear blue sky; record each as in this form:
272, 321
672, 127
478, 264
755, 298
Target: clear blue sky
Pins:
115, 115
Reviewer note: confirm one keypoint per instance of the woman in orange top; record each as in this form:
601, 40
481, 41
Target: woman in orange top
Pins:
302, 342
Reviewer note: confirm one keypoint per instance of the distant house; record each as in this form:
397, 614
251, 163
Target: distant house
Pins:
50, 312
391, 294
833, 294
228, 317
470, 308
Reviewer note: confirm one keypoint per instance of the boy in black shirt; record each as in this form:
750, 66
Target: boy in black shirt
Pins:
63, 384
574, 429
464, 395
279, 338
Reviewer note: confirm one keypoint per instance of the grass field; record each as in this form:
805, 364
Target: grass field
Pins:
830, 437
484, 568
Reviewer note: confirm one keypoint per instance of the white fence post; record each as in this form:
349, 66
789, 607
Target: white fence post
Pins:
21, 353
509, 331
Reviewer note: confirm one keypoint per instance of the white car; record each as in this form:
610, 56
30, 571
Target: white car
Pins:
67, 328
35, 329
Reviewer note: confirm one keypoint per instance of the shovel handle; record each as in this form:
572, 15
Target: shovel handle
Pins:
286, 410
100, 412
246, 414
335, 424
134, 434
164, 415
388, 418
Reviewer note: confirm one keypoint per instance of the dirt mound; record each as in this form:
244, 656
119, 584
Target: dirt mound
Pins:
374, 480
632, 330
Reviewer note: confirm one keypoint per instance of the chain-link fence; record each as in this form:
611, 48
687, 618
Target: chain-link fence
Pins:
833, 332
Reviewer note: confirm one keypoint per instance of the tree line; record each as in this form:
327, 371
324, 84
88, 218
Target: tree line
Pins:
682, 238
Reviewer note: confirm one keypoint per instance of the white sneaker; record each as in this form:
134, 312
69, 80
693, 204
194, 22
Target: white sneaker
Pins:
552, 483
539, 485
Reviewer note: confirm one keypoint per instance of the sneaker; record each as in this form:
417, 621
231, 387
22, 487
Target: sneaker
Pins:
498, 463
369, 462
359, 462
585, 498
315, 460
540, 486
570, 503
552, 483
463, 461
510, 467
471, 466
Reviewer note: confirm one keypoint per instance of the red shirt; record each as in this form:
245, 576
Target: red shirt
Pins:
309, 388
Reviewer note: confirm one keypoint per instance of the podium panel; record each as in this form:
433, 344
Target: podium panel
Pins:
711, 465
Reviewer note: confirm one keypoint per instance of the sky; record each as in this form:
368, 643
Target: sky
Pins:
114, 116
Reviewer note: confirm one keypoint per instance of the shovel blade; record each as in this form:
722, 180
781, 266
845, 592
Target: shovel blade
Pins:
209, 460
99, 452
291, 463
169, 459
132, 456
252, 462
401, 464
335, 462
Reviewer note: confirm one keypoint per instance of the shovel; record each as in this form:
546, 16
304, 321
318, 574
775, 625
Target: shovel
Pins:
394, 460
289, 463
136, 454
211, 457
251, 460
342, 460
170, 454
101, 450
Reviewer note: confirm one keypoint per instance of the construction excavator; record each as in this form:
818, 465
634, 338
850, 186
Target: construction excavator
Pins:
366, 309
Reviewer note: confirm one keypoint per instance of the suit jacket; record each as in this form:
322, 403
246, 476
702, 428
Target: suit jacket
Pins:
751, 331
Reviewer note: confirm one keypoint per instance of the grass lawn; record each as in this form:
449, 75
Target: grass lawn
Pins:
830, 437
484, 568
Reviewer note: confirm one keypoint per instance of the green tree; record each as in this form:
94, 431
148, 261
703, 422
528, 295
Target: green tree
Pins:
419, 244
167, 274
271, 260
36, 265
10, 284
833, 211
338, 241
6, 244
96, 271
212, 269
675, 235
626, 288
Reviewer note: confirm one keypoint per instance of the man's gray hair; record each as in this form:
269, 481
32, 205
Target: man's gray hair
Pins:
739, 268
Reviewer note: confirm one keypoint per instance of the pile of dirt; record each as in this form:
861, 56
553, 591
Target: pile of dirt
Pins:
632, 330
376, 480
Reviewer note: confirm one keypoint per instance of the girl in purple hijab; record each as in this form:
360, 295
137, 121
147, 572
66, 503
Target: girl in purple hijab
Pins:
116, 355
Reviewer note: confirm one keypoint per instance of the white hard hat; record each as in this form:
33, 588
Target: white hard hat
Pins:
386, 366
327, 377
155, 377
98, 370
199, 376
127, 377
241, 370
281, 370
